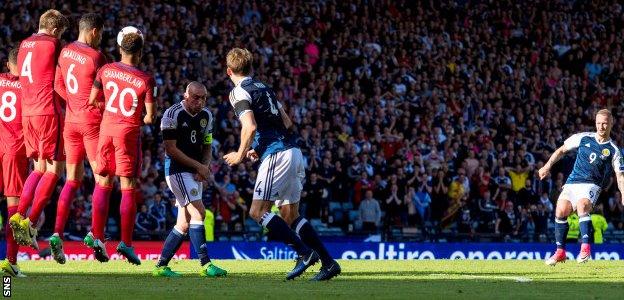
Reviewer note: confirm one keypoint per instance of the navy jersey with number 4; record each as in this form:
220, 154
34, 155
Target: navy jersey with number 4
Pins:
191, 133
271, 134
595, 162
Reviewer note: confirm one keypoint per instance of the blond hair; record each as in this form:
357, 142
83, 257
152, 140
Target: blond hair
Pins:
239, 61
605, 112
53, 18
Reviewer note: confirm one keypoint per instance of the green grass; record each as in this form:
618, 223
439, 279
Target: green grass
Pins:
360, 280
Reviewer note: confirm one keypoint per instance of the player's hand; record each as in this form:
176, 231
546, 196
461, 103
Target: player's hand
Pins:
233, 158
203, 172
543, 172
148, 119
252, 155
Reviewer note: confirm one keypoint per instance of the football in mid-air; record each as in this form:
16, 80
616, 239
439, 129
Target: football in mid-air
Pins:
126, 30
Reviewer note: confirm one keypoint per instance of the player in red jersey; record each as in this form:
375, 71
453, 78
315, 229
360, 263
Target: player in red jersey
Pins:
78, 64
126, 91
12, 154
42, 122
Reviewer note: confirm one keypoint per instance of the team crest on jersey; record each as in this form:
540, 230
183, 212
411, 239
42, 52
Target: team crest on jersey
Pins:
605, 152
194, 192
203, 123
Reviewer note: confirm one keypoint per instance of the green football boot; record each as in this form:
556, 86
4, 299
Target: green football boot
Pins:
213, 271
128, 253
165, 272
56, 246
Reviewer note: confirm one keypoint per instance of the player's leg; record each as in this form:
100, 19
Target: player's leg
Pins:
583, 208
75, 154
105, 158
52, 150
18, 221
563, 210
31, 143
197, 234
172, 244
127, 211
330, 267
14, 170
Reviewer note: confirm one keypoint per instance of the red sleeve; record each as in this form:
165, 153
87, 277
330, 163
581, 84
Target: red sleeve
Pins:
59, 83
152, 91
97, 83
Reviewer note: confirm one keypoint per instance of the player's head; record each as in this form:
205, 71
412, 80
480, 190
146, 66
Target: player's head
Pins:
239, 62
53, 22
12, 62
195, 97
132, 45
604, 122
91, 26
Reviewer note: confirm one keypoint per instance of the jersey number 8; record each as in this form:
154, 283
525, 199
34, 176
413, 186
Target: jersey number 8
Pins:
122, 97
8, 105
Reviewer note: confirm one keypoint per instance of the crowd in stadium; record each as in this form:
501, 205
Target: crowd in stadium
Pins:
411, 114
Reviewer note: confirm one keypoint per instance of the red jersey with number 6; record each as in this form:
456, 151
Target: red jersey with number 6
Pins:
78, 64
126, 90
36, 60
11, 134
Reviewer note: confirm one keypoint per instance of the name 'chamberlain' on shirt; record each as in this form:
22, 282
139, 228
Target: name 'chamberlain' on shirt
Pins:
124, 77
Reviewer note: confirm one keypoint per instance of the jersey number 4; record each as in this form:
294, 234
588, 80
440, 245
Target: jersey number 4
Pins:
273, 106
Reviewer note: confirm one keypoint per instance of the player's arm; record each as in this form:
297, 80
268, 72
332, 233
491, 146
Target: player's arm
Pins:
241, 101
248, 132
207, 145
569, 144
96, 97
169, 132
150, 104
59, 83
618, 167
285, 118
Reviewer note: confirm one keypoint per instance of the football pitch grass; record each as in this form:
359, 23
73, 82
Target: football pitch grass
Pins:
259, 279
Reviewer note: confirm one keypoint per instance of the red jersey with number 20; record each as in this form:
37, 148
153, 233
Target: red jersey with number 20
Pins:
36, 61
126, 90
78, 64
11, 134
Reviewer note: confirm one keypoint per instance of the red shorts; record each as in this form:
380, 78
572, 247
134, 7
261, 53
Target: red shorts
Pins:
119, 156
43, 137
80, 140
14, 172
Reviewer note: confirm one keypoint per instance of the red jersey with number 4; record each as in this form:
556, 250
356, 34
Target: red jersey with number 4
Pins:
36, 61
78, 64
126, 90
11, 134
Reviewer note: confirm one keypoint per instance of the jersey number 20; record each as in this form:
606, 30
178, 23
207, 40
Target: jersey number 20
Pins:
122, 97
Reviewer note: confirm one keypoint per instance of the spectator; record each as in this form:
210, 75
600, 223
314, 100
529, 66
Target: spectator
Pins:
370, 212
145, 223
158, 211
599, 223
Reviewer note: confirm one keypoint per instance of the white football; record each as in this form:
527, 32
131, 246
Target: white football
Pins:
126, 30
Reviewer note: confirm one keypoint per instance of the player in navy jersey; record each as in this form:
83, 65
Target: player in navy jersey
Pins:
596, 159
281, 173
187, 134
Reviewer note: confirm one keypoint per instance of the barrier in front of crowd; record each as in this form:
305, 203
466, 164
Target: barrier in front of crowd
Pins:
342, 250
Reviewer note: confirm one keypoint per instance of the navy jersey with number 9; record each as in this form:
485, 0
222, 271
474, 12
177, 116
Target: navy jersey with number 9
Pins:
271, 134
595, 162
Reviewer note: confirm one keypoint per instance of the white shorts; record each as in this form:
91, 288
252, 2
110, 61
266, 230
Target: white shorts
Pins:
280, 177
574, 192
185, 188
